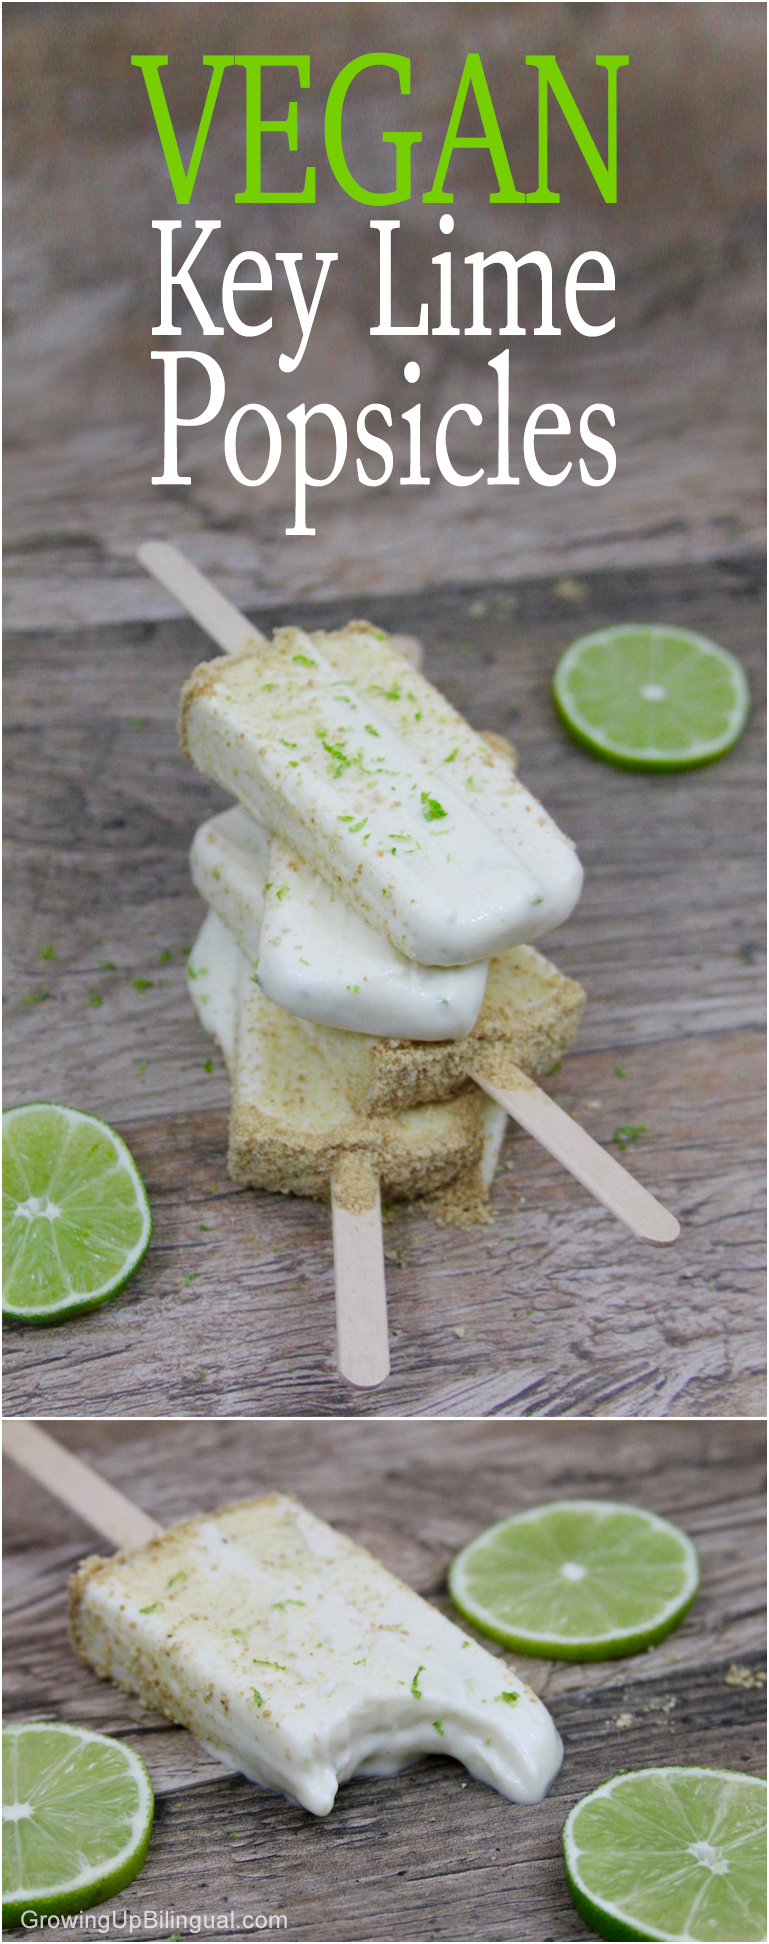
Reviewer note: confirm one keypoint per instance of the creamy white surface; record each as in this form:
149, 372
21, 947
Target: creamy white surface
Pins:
230, 863
451, 865
296, 1658
312, 952
215, 971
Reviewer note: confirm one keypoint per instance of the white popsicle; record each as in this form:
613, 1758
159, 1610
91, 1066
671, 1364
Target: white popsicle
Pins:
300, 1661
370, 781
312, 953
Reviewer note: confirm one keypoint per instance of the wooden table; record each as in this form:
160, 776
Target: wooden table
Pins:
553, 1310
430, 1853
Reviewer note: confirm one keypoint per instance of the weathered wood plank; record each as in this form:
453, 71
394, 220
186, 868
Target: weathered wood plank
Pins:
428, 1854
571, 1317
560, 1312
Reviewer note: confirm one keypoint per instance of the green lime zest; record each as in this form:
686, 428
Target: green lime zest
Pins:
622, 1136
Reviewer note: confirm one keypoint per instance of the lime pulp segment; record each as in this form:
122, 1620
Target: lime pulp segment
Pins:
577, 1580
651, 698
77, 1818
671, 1853
76, 1219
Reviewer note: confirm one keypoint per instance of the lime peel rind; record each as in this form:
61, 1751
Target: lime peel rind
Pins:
604, 1914
616, 692
57, 1252
604, 1644
97, 1882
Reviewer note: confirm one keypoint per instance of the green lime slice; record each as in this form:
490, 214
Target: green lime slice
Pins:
671, 1853
578, 1580
651, 698
77, 1818
76, 1219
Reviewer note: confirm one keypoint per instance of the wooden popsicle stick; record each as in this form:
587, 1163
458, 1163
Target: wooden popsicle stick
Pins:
213, 612
82, 1489
361, 1294
577, 1151
217, 616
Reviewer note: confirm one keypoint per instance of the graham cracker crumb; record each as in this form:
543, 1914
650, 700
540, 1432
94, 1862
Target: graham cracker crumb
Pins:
355, 1183
463, 1204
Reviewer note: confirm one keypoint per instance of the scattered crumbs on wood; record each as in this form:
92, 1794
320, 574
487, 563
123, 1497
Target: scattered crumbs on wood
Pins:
570, 590
459, 1329
745, 1677
624, 1721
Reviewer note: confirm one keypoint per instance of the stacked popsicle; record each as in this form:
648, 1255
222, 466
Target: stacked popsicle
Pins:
367, 962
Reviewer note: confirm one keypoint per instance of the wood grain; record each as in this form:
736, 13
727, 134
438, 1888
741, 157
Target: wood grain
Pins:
552, 1310
429, 1854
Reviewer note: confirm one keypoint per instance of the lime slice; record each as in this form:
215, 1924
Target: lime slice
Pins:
76, 1219
77, 1818
579, 1580
651, 698
671, 1853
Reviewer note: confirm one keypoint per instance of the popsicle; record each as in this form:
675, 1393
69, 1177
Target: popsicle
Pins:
342, 749
293, 1130
360, 653
300, 1661
292, 1121
312, 952
530, 1012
